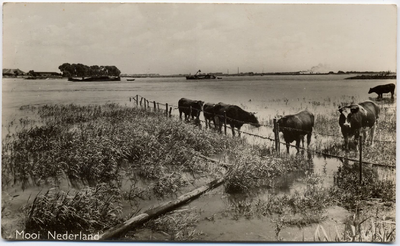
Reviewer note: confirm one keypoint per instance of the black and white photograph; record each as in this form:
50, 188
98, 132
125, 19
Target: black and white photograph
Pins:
198, 122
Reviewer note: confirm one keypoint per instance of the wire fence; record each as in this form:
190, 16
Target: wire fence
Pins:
226, 122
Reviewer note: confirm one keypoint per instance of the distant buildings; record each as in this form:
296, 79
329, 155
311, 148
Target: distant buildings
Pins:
48, 74
12, 72
31, 74
141, 75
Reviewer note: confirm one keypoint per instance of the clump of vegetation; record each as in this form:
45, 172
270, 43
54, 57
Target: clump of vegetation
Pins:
89, 210
349, 193
365, 226
108, 145
92, 144
300, 209
253, 169
178, 225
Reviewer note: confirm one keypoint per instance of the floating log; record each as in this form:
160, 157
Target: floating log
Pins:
118, 230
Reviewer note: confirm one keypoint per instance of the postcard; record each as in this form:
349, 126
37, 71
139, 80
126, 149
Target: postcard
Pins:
199, 122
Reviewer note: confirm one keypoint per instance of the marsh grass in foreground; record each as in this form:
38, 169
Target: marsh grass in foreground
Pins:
107, 145
370, 203
350, 194
301, 208
89, 210
91, 144
365, 226
179, 225
101, 148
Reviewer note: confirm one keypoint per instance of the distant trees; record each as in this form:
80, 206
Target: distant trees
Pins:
32, 73
81, 70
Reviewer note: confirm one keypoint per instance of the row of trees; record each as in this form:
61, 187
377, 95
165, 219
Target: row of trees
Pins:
81, 70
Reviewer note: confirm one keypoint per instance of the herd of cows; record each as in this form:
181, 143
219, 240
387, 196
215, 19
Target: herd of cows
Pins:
353, 119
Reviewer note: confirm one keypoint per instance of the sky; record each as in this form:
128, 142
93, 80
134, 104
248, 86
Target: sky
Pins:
181, 38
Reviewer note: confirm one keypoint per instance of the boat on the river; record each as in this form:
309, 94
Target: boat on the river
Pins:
201, 76
95, 79
130, 79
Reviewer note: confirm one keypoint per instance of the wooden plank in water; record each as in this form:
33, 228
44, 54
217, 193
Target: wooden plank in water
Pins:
120, 229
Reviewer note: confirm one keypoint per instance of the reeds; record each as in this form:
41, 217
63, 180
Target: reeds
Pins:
179, 225
89, 210
302, 208
360, 228
90, 144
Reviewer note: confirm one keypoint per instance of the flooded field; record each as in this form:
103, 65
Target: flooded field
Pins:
269, 96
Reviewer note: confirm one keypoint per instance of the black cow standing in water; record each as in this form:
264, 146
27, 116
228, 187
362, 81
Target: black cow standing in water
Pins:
295, 127
208, 111
235, 117
356, 117
380, 89
190, 108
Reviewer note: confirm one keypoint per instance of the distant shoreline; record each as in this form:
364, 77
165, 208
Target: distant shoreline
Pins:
373, 77
364, 75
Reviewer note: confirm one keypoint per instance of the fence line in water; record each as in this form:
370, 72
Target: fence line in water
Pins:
168, 109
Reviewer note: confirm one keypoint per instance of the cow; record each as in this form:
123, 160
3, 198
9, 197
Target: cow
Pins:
191, 108
380, 89
358, 117
294, 127
235, 117
208, 112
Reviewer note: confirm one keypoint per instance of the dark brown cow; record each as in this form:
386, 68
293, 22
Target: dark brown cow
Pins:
380, 89
190, 108
235, 116
208, 111
356, 117
295, 127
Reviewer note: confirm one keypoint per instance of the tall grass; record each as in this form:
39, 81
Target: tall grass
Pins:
350, 194
90, 144
89, 210
179, 225
301, 208
370, 226
97, 149
253, 169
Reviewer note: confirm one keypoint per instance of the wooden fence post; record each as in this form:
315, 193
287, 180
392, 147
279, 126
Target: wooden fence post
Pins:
276, 132
225, 122
155, 107
141, 99
166, 110
148, 104
130, 99
137, 100
170, 111
361, 145
158, 107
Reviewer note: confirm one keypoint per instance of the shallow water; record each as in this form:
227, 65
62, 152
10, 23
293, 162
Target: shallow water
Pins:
269, 96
